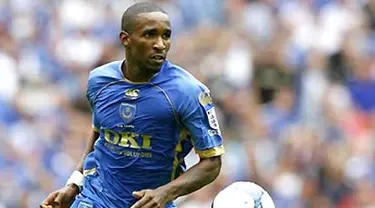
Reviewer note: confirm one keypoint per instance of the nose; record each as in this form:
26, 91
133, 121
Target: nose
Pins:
159, 44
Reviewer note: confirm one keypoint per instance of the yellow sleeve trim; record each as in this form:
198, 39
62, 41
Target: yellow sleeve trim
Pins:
216, 151
95, 129
89, 172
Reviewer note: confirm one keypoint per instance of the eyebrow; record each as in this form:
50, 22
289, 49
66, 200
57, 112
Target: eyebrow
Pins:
148, 29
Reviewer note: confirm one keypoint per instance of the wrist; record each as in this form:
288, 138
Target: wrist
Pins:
76, 189
170, 192
76, 180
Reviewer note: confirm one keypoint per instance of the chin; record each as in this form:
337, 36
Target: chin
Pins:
155, 67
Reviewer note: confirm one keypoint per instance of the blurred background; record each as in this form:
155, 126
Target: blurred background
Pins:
293, 80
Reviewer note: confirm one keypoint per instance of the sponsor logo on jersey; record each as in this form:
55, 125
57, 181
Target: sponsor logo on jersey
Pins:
205, 99
213, 132
132, 93
212, 119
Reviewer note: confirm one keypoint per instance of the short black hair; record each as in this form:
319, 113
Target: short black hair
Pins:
130, 14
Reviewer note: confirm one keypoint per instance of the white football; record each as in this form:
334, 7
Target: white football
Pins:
243, 195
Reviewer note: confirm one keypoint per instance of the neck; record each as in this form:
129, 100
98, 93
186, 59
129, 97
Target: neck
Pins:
134, 73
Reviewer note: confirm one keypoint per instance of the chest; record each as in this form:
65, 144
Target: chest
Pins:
144, 108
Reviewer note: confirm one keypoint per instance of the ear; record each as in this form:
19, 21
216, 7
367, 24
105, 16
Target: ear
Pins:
124, 38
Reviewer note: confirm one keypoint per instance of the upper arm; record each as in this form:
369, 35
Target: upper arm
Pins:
211, 165
95, 135
197, 113
214, 162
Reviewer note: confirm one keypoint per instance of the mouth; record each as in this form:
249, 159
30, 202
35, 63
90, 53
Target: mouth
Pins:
158, 58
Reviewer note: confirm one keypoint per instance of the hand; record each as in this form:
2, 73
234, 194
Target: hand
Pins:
151, 198
61, 198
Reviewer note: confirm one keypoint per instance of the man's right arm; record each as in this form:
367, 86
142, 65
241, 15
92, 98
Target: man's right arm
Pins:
89, 148
77, 176
64, 197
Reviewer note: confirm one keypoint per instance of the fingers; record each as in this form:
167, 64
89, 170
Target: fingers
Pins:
152, 204
54, 200
47, 203
144, 199
138, 194
51, 197
147, 200
53, 205
59, 200
141, 202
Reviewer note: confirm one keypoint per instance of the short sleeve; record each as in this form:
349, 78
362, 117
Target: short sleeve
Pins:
92, 88
197, 113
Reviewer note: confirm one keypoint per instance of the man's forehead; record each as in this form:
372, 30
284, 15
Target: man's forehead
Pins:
146, 18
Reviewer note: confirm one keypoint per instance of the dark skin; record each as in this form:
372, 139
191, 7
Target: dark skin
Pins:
150, 36
146, 48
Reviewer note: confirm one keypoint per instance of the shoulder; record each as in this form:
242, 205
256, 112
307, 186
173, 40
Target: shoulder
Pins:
109, 72
101, 76
184, 82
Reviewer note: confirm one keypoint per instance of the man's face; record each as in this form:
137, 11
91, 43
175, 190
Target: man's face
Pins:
149, 41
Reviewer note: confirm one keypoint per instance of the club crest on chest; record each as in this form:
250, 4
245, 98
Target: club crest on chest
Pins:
127, 112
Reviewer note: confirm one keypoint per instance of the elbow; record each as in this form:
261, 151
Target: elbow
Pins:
214, 167
217, 167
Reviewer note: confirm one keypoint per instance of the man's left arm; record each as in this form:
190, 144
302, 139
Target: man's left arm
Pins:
199, 118
198, 176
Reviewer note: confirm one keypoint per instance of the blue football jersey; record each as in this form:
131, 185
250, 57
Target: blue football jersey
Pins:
146, 130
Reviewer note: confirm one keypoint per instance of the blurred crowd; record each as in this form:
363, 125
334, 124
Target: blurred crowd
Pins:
293, 81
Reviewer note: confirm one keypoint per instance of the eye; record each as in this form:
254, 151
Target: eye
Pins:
149, 33
167, 36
